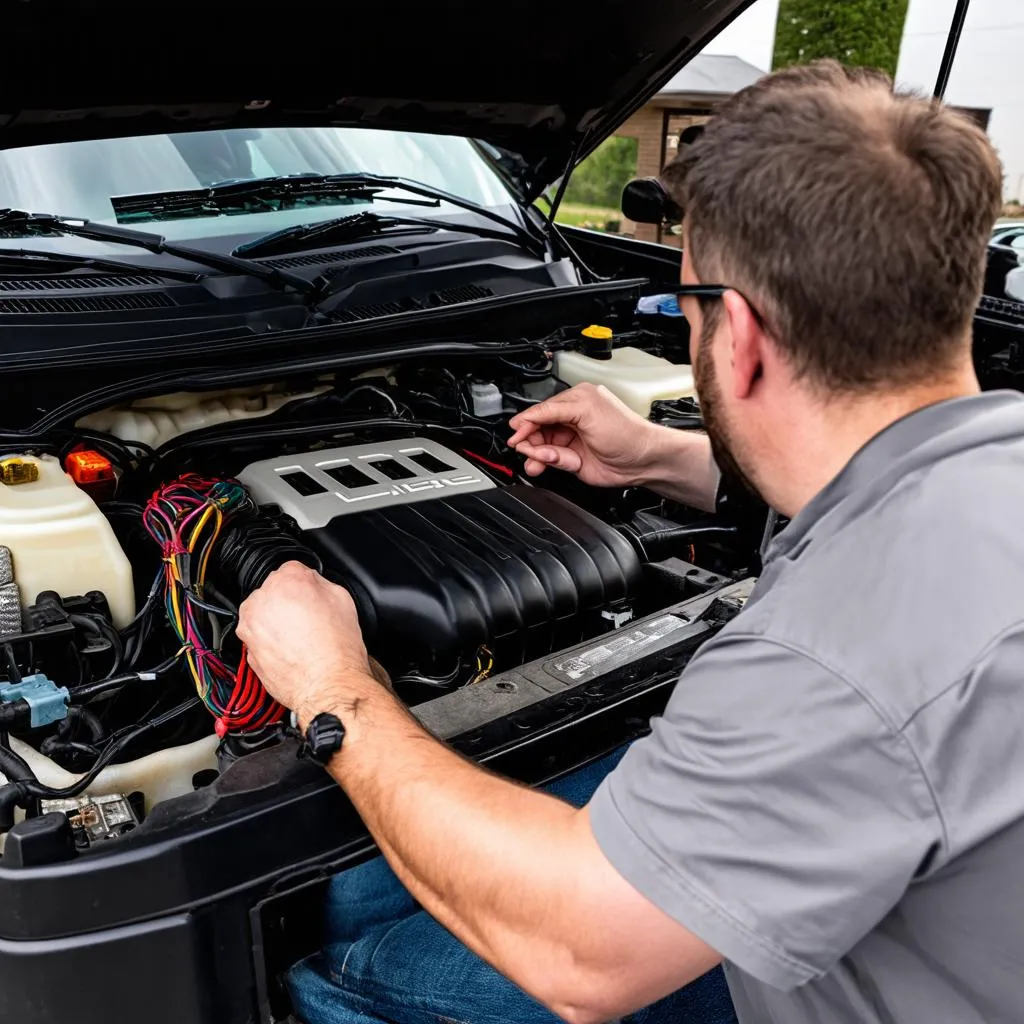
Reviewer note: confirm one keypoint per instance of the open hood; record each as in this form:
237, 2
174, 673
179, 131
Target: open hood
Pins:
541, 81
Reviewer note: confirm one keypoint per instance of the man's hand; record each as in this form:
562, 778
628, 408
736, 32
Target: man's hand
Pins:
304, 641
588, 431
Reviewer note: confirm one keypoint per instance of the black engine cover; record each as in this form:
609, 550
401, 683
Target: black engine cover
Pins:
519, 569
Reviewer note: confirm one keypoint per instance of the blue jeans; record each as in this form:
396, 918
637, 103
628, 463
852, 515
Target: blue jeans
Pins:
385, 959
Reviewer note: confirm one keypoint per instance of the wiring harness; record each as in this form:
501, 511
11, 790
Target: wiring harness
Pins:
187, 517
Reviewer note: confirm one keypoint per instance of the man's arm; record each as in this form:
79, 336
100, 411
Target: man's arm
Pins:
773, 811
588, 431
686, 470
515, 874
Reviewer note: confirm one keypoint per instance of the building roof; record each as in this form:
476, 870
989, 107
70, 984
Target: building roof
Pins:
711, 75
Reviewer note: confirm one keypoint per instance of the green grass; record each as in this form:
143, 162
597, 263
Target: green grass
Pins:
577, 215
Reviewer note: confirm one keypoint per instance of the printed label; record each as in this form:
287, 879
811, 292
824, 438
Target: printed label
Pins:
630, 642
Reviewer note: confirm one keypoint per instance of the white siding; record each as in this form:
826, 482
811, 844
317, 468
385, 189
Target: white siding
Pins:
988, 72
751, 37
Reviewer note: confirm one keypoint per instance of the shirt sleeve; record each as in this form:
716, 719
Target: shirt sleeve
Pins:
773, 812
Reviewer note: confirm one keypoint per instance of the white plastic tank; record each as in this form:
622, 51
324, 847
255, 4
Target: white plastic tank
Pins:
635, 376
159, 776
60, 540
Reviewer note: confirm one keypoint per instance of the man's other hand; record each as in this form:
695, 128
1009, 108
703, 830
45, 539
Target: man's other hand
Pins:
587, 431
304, 640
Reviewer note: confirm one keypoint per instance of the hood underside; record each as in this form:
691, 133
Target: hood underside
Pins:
542, 82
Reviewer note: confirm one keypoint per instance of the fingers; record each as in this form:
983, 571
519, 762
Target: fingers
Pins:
539, 457
566, 408
560, 437
525, 431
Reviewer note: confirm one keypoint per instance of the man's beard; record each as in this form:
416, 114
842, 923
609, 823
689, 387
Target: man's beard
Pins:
709, 395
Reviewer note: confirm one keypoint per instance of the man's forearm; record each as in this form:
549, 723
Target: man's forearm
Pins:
479, 853
513, 873
681, 467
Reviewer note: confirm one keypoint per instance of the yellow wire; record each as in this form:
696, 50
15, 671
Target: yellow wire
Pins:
483, 671
213, 510
219, 516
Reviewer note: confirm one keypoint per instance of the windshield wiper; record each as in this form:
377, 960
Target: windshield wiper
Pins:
297, 190
253, 195
49, 261
350, 227
47, 223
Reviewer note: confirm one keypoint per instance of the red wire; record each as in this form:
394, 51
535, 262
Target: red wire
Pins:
250, 706
496, 466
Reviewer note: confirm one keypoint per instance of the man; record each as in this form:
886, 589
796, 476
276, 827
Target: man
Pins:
831, 802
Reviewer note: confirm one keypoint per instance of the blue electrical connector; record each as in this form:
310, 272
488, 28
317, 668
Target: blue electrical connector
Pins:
47, 702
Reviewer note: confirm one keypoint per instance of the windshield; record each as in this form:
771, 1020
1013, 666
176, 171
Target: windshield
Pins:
79, 178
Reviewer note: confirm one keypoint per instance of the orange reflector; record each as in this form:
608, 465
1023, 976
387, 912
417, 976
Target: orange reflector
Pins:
88, 467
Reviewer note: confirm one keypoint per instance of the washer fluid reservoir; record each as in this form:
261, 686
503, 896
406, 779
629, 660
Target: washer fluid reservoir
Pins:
635, 376
58, 537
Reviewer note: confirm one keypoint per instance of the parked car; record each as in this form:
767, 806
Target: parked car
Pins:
250, 314
1009, 233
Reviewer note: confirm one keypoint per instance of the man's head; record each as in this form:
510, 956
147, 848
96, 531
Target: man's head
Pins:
851, 223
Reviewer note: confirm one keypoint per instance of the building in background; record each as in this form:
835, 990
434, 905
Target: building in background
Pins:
988, 74
734, 59
689, 98
987, 82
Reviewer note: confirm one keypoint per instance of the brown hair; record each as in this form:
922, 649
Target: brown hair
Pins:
855, 220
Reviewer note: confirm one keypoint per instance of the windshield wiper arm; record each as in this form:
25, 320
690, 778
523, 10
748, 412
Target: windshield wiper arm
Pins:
289, 191
350, 227
252, 195
526, 236
33, 223
44, 259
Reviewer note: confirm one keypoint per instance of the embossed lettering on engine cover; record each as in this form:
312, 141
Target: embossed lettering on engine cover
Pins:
316, 487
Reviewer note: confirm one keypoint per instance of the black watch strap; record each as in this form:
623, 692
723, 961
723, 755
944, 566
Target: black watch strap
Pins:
324, 736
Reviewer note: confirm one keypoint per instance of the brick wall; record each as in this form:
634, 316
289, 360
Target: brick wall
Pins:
646, 127
654, 150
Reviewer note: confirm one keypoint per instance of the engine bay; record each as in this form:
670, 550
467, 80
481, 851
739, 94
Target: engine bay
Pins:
128, 542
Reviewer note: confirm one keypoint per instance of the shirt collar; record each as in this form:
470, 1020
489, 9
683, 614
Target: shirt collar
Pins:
881, 452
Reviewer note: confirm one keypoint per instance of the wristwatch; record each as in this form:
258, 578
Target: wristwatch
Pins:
324, 736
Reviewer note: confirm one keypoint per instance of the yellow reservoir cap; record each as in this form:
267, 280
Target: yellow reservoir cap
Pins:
598, 332
16, 470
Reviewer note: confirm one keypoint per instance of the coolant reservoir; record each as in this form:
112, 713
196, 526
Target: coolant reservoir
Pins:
635, 376
58, 537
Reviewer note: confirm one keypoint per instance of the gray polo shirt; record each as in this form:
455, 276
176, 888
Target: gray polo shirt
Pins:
834, 797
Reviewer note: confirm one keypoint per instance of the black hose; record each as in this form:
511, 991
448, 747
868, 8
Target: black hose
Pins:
101, 628
113, 748
253, 546
57, 749
656, 538
15, 767
78, 719
83, 719
12, 796
113, 684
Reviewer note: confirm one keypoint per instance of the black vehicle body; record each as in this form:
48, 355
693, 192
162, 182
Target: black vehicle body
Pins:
193, 917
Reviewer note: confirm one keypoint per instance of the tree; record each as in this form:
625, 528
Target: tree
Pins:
599, 180
855, 32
